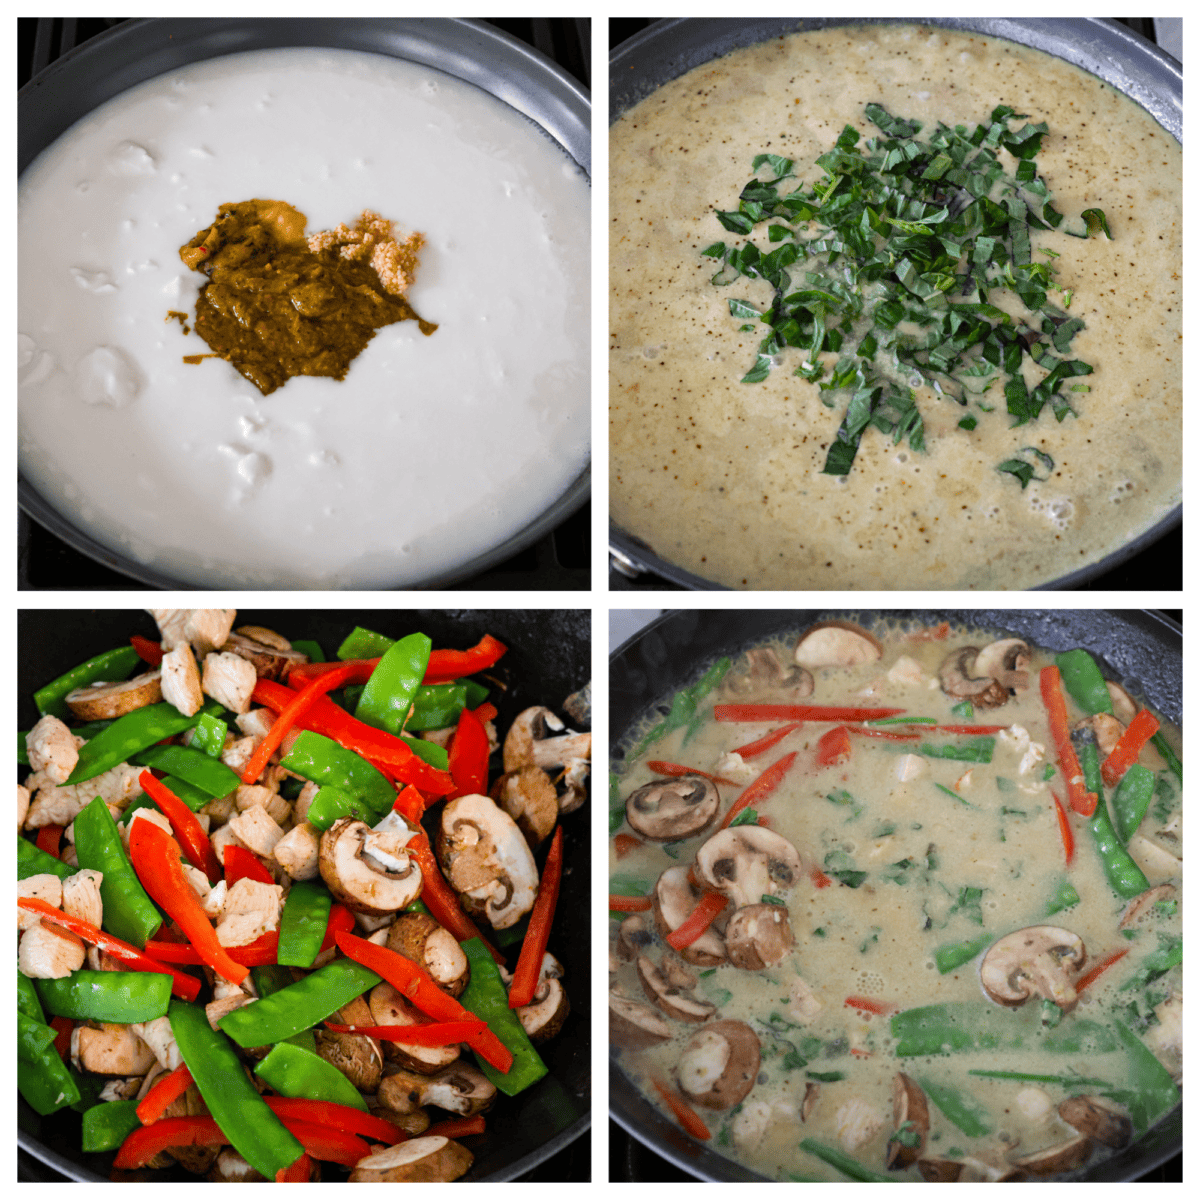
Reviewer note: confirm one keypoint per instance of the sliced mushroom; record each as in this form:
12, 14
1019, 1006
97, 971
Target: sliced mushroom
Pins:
487, 860
633, 938
672, 902
389, 1007
1040, 960
269, 661
1055, 1160
910, 1122
677, 973
546, 1014
530, 742
1140, 906
358, 1057
1125, 707
747, 862
836, 644
459, 1089
672, 1000
414, 1123
230, 1167
758, 936
719, 1065
635, 1026
1107, 730
421, 1160
812, 1093
958, 679
422, 940
1098, 1120
103, 701
667, 810
764, 672
940, 1170
531, 799
1006, 661
368, 871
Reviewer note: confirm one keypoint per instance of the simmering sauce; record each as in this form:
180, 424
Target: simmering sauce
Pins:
724, 478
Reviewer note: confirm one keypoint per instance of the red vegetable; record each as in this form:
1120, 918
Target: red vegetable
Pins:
625, 843
888, 735
187, 829
833, 749
629, 903
148, 651
163, 1094
1064, 829
445, 665
49, 838
438, 1033
967, 729
410, 804
440, 898
1082, 801
800, 712
341, 1116
457, 1127
753, 749
299, 1172
866, 1004
537, 935
701, 917
677, 771
63, 1026
761, 788
241, 863
469, 752
684, 1113
1125, 753
819, 878
1099, 969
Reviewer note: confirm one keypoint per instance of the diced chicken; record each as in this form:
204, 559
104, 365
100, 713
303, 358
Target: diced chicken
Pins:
906, 670
181, 680
250, 910
158, 1036
45, 887
114, 1050
60, 805
256, 722
205, 629
911, 766
253, 795
857, 1123
301, 804
1034, 1103
214, 900
229, 679
22, 804
49, 952
219, 811
225, 836
1033, 757
750, 1125
197, 881
439, 737
52, 749
298, 852
237, 754
81, 896
734, 766
803, 1004
257, 830
963, 782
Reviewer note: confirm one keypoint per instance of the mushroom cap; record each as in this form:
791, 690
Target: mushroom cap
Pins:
764, 672
1036, 961
940, 1170
670, 998
747, 862
958, 679
667, 810
103, 701
908, 1106
545, 1016
672, 901
1005, 660
531, 799
1054, 1160
1097, 1119
529, 741
758, 936
389, 1007
1141, 904
836, 644
719, 1065
419, 1160
633, 936
635, 1026
367, 870
487, 860
422, 940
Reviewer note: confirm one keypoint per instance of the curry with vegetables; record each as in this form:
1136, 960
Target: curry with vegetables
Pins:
900, 903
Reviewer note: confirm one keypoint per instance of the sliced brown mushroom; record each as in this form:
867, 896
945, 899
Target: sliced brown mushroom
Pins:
421, 1160
812, 1093
229, 1166
940, 1170
836, 644
910, 1122
531, 741
633, 937
635, 1026
103, 701
758, 936
764, 672
269, 661
389, 1007
1107, 730
677, 973
1055, 1160
369, 871
672, 902
667, 810
1097, 1119
531, 799
719, 1065
958, 679
1141, 905
422, 940
459, 1089
487, 860
672, 1000
1007, 661
358, 1057
748, 862
546, 1014
1041, 960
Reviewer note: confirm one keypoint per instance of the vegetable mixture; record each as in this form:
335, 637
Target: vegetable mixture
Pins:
278, 916
901, 904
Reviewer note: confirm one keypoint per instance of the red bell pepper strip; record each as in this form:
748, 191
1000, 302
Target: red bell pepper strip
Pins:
469, 752
163, 1094
439, 1033
936, 634
1099, 969
183, 986
155, 858
764, 743
410, 804
684, 1113
148, 651
799, 712
888, 735
487, 711
982, 730
341, 1116
312, 691
629, 903
261, 952
626, 843
445, 665
299, 1172
360, 668
833, 748
241, 863
63, 1026
1082, 801
419, 989
701, 917
457, 1128
1064, 829
187, 829
440, 898
537, 935
49, 838
866, 1004
678, 771
1125, 753
819, 878
761, 788
144, 1143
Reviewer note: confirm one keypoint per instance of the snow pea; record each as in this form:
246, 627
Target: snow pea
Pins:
1065, 896
967, 1025
840, 1161
323, 761
1125, 877
33, 1037
960, 1109
430, 752
1083, 681
122, 996
438, 705
132, 733
683, 706
300, 1005
254, 1130
976, 750
389, 693
110, 666
209, 735
210, 775
1152, 1092
27, 999
956, 953
311, 648
128, 912
106, 1126
303, 924
1131, 799
46, 1084
330, 804
1026, 1077
364, 643
272, 978
486, 997
295, 1072
33, 860
1173, 761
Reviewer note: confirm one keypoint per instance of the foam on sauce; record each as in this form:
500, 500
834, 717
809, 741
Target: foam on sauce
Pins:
430, 452
744, 461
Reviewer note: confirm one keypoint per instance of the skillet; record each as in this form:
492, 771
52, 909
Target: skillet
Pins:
549, 657
1122, 58
1141, 649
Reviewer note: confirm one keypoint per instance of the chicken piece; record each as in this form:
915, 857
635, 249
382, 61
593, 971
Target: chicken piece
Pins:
734, 766
250, 910
145, 814
302, 803
52, 749
114, 1050
256, 722
205, 629
1165, 1040
803, 1004
60, 805
298, 852
181, 680
45, 887
220, 810
81, 896
230, 679
857, 1123
225, 836
257, 830
906, 670
238, 753
158, 1036
255, 796
22, 804
50, 952
214, 899
911, 766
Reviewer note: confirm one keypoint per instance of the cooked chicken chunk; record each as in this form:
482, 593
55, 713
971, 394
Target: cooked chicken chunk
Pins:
250, 910
49, 952
256, 830
114, 1050
45, 887
81, 896
230, 680
52, 749
298, 852
22, 804
60, 805
206, 629
181, 680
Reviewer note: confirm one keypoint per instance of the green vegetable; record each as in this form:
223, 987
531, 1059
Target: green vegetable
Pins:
303, 923
439, 705
684, 706
110, 666
945, 1028
1132, 799
953, 955
1083, 681
330, 804
46, 1084
33, 1038
311, 648
388, 696
32, 860
430, 752
106, 1126
957, 1107
1151, 1092
323, 761
1161, 744
363, 643
209, 735
197, 768
1065, 896
1124, 875
121, 996
273, 978
1025, 1077
974, 750
27, 1000
953, 795
840, 1161
295, 1072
